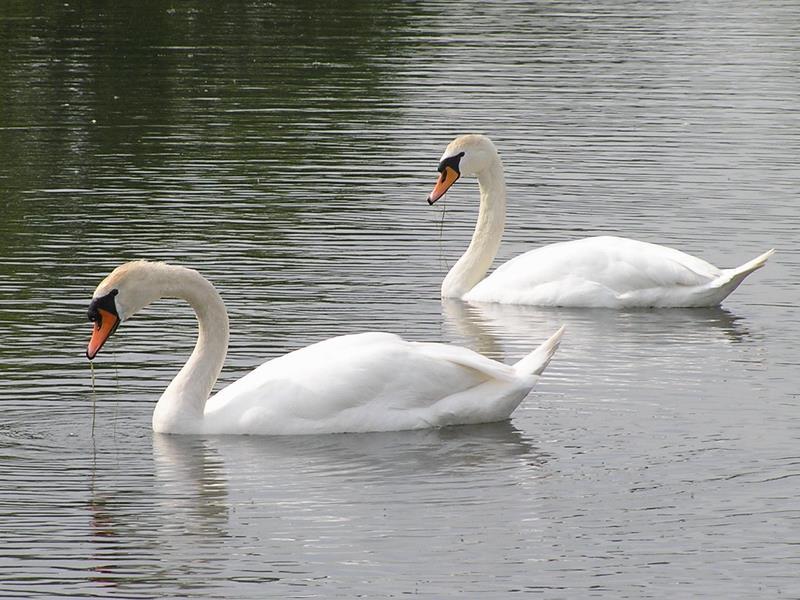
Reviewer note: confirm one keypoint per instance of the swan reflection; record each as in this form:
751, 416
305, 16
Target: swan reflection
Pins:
203, 467
618, 349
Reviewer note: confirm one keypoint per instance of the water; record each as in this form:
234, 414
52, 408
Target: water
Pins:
286, 151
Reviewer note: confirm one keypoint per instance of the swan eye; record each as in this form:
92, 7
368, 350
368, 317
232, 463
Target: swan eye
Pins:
452, 162
102, 303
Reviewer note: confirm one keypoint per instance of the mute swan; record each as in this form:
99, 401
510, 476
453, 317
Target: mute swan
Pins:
353, 383
605, 271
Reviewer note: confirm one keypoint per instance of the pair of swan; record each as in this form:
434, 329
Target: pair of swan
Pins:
378, 381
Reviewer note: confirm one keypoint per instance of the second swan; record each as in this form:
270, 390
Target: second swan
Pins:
604, 271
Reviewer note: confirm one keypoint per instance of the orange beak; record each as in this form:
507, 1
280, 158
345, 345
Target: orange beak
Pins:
449, 177
103, 328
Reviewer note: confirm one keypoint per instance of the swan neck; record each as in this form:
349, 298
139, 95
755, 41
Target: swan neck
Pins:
180, 408
471, 268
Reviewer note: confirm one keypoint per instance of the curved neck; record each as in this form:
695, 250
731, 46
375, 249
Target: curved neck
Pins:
472, 266
180, 408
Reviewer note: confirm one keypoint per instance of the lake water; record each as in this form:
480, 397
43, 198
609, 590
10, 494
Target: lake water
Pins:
286, 150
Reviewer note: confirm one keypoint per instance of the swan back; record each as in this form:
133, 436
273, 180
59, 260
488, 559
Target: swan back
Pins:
609, 272
372, 382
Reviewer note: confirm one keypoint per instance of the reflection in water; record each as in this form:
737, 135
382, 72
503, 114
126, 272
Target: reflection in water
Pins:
167, 531
484, 324
608, 353
378, 457
103, 530
192, 483
200, 469
468, 324
338, 495
677, 325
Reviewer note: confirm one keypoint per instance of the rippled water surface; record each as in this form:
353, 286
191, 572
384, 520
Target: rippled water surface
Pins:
285, 150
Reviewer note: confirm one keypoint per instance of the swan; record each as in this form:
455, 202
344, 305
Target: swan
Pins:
603, 271
353, 383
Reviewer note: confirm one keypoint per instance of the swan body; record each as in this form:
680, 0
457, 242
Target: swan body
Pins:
353, 383
609, 272
604, 271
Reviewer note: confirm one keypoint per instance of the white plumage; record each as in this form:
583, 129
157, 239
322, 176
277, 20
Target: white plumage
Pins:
372, 382
603, 271
610, 272
353, 383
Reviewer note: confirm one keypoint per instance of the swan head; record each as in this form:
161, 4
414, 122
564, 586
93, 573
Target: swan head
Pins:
123, 293
468, 155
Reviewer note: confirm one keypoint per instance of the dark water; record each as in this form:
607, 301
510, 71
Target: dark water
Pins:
285, 150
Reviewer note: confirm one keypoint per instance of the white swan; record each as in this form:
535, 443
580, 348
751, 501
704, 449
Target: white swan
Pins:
602, 271
352, 383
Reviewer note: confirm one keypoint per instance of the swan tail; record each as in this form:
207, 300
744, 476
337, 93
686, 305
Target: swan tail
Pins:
536, 362
733, 277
